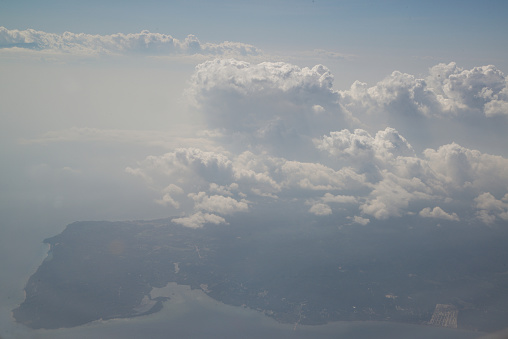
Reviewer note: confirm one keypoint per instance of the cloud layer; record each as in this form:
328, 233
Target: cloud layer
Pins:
144, 43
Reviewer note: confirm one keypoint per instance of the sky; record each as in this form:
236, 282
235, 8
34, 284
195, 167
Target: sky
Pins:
197, 110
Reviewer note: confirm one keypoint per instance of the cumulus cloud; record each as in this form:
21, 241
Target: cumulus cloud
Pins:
360, 220
166, 199
397, 177
459, 90
398, 93
279, 106
447, 90
490, 208
247, 78
318, 177
223, 190
438, 177
199, 219
321, 206
284, 135
340, 199
392, 195
247, 174
437, 212
498, 106
218, 203
225, 183
320, 209
190, 165
145, 43
448, 105
368, 154
460, 168
399, 97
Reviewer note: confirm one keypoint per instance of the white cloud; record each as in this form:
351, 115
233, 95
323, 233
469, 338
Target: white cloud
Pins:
460, 168
399, 177
360, 220
358, 144
218, 203
369, 155
199, 219
437, 212
228, 174
447, 91
223, 190
256, 172
340, 199
399, 94
190, 169
318, 109
166, 199
448, 105
315, 176
320, 209
490, 208
246, 78
459, 90
275, 106
321, 206
361, 146
144, 43
224, 183
498, 106
392, 195
280, 107
270, 119
189, 163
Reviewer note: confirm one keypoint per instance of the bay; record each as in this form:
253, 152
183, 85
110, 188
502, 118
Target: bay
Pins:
193, 314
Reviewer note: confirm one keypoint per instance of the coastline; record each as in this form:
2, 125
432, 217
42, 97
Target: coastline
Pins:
192, 312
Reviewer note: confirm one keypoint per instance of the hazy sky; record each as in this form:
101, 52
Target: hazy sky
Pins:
199, 109
363, 110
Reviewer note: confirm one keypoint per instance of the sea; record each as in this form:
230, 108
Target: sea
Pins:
193, 314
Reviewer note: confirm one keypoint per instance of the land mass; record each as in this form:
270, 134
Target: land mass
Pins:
296, 274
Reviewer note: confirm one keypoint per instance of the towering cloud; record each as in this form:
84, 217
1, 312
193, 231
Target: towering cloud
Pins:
448, 105
447, 91
459, 168
481, 90
283, 134
277, 106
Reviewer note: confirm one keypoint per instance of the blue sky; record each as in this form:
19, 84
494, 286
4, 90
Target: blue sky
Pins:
409, 36
349, 26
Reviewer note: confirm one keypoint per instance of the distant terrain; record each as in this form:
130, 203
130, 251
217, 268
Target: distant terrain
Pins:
300, 273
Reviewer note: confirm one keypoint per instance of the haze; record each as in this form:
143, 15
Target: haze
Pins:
203, 112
